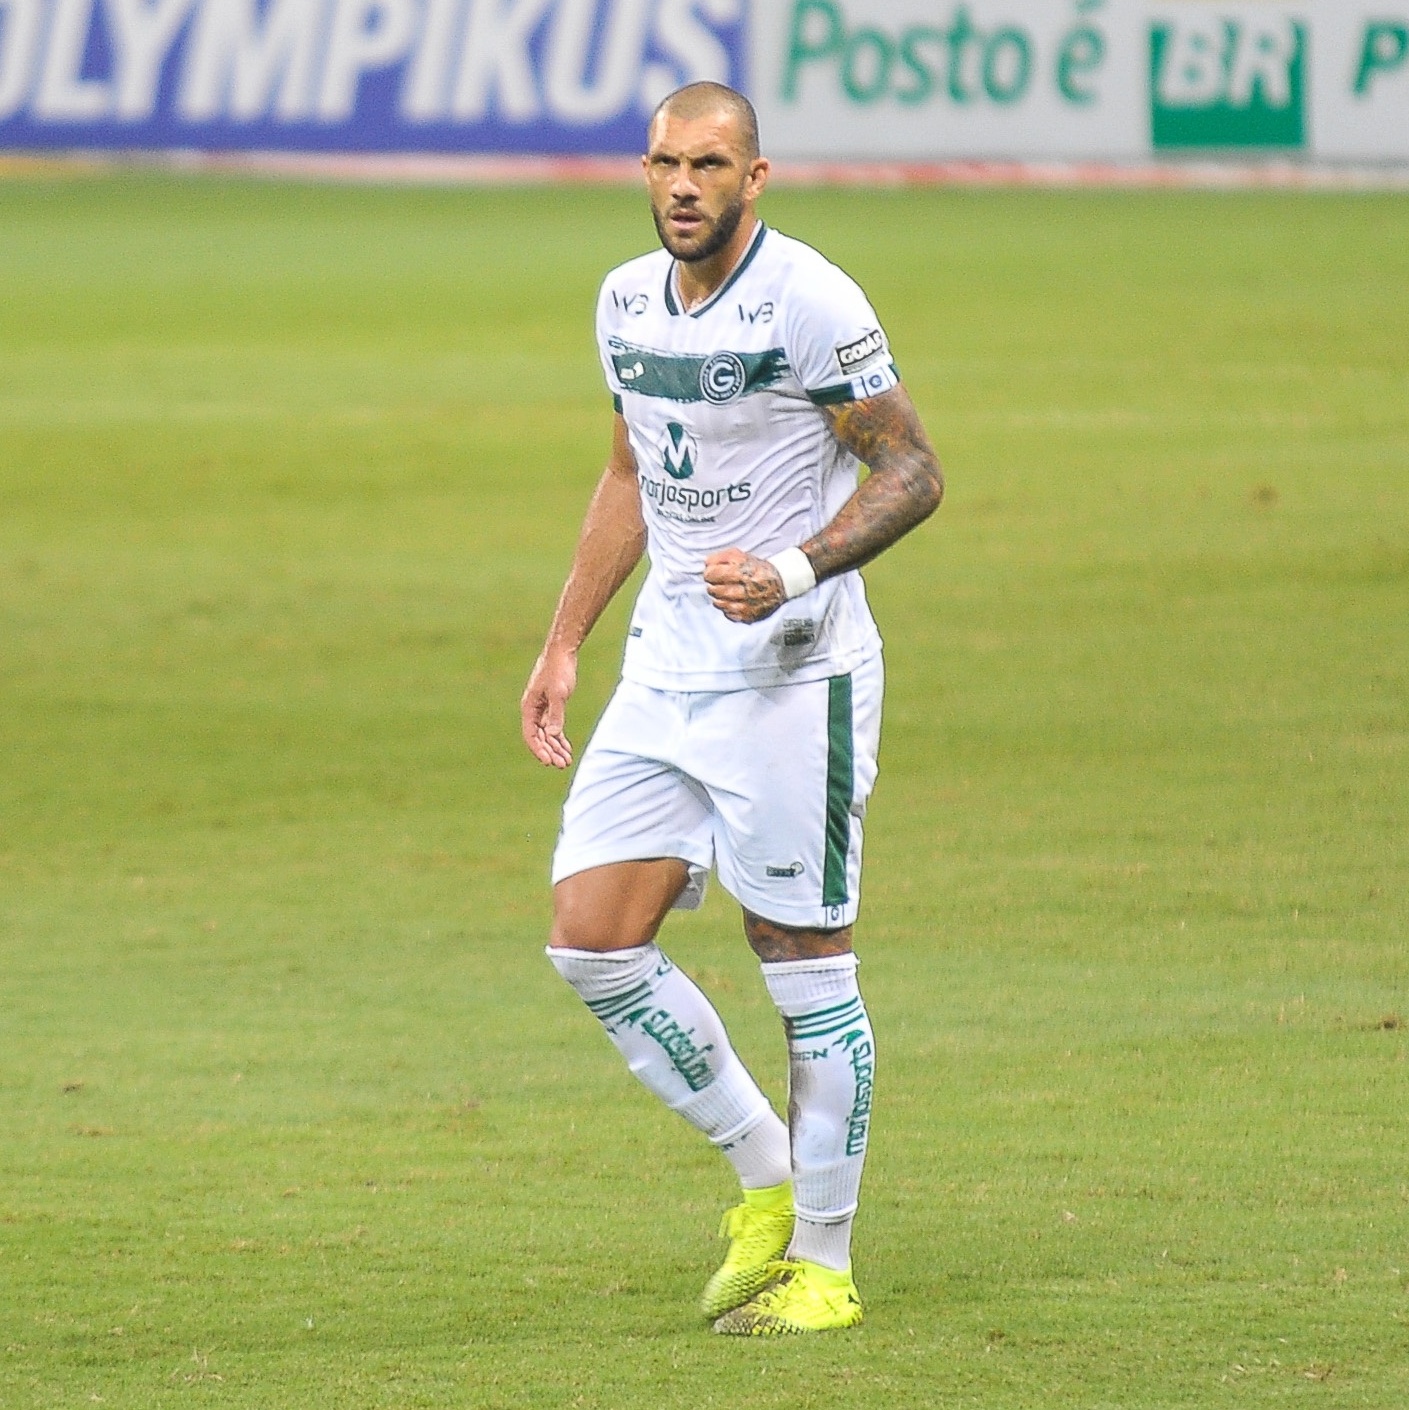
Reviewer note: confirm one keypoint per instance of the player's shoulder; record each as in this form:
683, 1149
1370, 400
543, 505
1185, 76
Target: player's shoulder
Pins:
830, 331
806, 270
632, 286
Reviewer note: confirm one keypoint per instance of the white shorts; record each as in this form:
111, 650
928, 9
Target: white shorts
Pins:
769, 787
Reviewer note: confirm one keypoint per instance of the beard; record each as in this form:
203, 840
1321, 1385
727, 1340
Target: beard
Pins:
716, 234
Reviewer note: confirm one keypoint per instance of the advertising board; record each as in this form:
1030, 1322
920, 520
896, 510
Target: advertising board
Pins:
574, 76
1123, 79
980, 78
833, 79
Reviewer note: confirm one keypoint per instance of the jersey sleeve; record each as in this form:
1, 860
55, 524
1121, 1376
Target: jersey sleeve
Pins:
604, 333
838, 349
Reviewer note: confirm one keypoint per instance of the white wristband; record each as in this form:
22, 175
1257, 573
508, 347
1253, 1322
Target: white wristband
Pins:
796, 571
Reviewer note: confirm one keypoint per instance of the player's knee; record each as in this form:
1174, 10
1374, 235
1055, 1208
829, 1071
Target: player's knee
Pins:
579, 925
609, 909
577, 932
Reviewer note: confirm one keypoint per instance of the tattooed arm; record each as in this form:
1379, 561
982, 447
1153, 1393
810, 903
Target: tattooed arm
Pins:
612, 541
904, 488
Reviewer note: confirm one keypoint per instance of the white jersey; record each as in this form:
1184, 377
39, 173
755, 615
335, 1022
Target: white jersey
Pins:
722, 407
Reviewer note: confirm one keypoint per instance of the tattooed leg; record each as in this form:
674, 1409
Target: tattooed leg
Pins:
774, 943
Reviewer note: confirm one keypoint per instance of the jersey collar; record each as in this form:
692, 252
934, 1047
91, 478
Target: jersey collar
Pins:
673, 304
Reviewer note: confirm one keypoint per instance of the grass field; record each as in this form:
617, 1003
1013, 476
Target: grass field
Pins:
293, 1113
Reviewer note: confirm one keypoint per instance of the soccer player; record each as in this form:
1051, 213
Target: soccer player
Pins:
751, 381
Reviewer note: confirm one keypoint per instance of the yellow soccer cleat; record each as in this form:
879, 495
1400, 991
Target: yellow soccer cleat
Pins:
758, 1231
800, 1297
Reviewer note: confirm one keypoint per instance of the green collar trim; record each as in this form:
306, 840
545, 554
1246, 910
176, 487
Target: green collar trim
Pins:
672, 304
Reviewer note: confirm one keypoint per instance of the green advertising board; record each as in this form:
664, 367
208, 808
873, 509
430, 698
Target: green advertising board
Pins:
1218, 82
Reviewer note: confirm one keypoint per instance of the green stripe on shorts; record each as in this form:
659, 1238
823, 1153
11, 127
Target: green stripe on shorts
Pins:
840, 786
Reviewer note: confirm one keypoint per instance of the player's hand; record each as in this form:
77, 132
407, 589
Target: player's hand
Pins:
744, 588
544, 705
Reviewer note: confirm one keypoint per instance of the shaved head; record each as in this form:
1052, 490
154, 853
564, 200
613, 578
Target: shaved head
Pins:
697, 100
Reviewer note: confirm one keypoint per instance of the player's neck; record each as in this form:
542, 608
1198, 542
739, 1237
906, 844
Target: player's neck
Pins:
700, 280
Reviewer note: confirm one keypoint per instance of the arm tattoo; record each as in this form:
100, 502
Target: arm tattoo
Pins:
904, 488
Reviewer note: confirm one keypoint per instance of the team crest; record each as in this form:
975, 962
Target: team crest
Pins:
722, 377
680, 452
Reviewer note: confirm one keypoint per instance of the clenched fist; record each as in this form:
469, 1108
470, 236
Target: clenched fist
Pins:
744, 588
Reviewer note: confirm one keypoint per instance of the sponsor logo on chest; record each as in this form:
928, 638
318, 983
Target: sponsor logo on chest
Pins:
680, 452
671, 496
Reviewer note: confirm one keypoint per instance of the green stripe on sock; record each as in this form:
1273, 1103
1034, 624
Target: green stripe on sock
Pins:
606, 1009
611, 1000
818, 1014
812, 1037
813, 1030
821, 1016
840, 785
821, 1028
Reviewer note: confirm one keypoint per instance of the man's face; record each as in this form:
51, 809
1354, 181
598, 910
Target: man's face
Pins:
700, 183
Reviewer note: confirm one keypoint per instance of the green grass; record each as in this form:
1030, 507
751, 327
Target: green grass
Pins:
292, 1111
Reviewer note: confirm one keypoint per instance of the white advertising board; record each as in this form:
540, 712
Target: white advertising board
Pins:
1075, 79
1360, 82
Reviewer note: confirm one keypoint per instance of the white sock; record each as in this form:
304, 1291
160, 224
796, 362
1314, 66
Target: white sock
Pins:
675, 1043
831, 1064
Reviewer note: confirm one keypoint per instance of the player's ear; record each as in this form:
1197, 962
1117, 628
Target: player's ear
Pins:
758, 177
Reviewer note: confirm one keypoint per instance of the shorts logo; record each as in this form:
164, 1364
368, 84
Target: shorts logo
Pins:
799, 631
722, 377
854, 354
793, 869
680, 452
